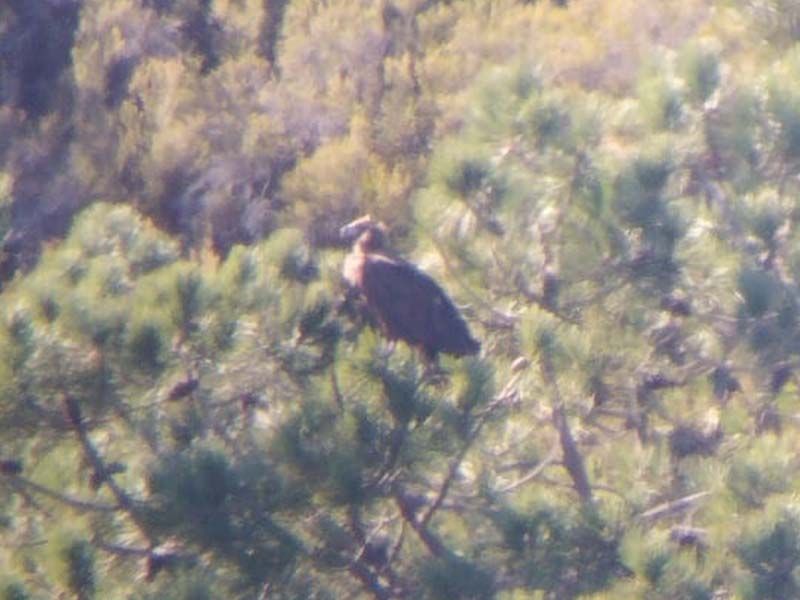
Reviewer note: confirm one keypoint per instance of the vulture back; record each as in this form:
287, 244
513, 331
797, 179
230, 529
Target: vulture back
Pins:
409, 305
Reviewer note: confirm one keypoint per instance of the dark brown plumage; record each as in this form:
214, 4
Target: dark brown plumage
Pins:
404, 302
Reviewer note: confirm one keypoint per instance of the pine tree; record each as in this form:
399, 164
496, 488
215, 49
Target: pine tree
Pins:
607, 191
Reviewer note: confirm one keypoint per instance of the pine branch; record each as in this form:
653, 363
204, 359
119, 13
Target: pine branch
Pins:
408, 509
573, 461
455, 464
361, 566
448, 480
73, 413
369, 580
98, 465
408, 506
157, 559
21, 484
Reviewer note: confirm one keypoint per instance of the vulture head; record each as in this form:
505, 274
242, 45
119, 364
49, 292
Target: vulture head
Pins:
365, 233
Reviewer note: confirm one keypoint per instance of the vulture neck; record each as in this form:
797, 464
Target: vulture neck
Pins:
364, 248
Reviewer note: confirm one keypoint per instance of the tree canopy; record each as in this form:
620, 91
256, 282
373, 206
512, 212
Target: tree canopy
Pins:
607, 191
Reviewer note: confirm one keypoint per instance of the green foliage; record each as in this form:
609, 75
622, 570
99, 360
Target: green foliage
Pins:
758, 289
751, 484
783, 105
188, 408
455, 577
477, 387
700, 68
123, 232
147, 346
662, 103
405, 399
560, 551
467, 176
14, 591
80, 567
771, 553
180, 587
674, 582
224, 509
667, 570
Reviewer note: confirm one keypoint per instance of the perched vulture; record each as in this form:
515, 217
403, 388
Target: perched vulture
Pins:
405, 303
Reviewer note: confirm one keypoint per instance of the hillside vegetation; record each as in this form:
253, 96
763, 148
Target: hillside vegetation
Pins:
608, 190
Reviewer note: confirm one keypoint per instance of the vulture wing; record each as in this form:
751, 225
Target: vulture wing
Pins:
411, 306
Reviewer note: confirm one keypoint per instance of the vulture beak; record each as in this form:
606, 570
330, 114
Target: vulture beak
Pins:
351, 232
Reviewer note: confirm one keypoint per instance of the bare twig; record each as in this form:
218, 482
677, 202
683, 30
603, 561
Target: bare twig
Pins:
674, 507
534, 473
264, 595
337, 393
121, 550
398, 544
540, 301
502, 320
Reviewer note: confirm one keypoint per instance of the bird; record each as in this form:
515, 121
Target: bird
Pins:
402, 301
